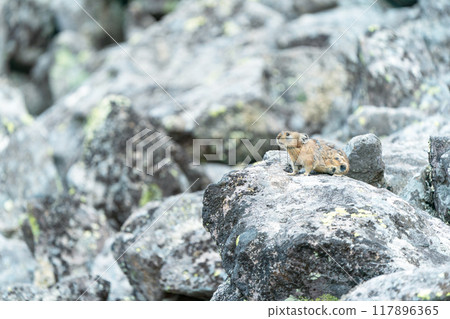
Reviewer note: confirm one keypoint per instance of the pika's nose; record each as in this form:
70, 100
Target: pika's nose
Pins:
279, 135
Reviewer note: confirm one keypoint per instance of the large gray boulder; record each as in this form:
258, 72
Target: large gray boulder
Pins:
393, 67
120, 183
406, 67
422, 284
163, 249
307, 236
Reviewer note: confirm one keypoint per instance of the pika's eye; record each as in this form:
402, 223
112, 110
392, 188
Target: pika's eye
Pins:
287, 134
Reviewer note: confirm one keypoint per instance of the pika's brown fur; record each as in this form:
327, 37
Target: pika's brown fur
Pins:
312, 154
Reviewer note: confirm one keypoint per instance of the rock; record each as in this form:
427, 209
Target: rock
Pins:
366, 162
226, 292
69, 55
432, 97
64, 235
417, 135
405, 152
439, 158
122, 183
34, 87
157, 8
294, 8
3, 37
163, 249
305, 6
381, 121
13, 114
439, 7
106, 267
137, 19
393, 67
218, 100
16, 262
280, 235
232, 112
109, 14
30, 157
402, 162
402, 3
422, 284
83, 288
323, 28
29, 27
66, 128
310, 104
436, 15
418, 192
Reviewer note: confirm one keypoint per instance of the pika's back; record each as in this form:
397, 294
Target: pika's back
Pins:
327, 157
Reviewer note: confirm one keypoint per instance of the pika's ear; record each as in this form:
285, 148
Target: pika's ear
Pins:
302, 139
305, 138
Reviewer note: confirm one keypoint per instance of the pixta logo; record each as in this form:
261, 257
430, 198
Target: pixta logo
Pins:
148, 151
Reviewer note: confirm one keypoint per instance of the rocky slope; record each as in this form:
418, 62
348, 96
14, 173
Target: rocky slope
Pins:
373, 78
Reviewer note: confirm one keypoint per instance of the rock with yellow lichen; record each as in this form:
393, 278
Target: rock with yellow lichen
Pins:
27, 170
423, 284
167, 254
381, 121
393, 66
114, 180
306, 236
64, 235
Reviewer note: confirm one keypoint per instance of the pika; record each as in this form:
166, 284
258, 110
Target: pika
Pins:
312, 154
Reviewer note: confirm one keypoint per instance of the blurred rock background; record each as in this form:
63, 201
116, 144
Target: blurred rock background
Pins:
78, 78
